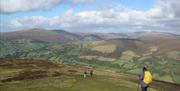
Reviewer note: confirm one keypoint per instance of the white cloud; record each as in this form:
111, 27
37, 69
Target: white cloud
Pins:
11, 6
29, 22
83, 1
175, 7
162, 17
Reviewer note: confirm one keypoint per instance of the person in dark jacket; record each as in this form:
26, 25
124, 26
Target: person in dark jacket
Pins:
85, 74
91, 72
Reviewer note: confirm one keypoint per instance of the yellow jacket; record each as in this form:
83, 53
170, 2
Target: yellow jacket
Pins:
147, 77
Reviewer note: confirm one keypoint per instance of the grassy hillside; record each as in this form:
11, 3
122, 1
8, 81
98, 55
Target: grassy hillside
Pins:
31, 75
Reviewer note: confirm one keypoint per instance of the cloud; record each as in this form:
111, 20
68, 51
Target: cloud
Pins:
29, 22
12, 6
83, 1
175, 6
162, 17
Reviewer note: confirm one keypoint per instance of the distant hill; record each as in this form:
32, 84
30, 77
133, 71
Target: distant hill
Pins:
164, 41
137, 41
91, 37
41, 34
104, 36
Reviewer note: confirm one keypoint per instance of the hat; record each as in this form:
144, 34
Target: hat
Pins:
144, 68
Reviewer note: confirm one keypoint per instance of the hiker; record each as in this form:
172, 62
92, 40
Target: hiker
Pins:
91, 72
85, 74
145, 79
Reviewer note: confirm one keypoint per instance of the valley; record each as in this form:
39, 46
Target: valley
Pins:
63, 56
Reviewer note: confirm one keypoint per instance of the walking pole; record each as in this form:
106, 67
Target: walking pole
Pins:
138, 86
138, 83
138, 89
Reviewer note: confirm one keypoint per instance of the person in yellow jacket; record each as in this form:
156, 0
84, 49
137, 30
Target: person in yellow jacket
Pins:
145, 79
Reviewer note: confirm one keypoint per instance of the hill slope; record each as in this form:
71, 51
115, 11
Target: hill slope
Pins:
41, 35
47, 76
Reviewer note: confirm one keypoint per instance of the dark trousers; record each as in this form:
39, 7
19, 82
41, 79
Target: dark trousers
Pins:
144, 88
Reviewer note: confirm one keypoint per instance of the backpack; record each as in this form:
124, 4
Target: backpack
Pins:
147, 77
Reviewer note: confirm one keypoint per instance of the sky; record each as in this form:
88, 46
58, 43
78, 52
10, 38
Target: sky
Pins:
91, 15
